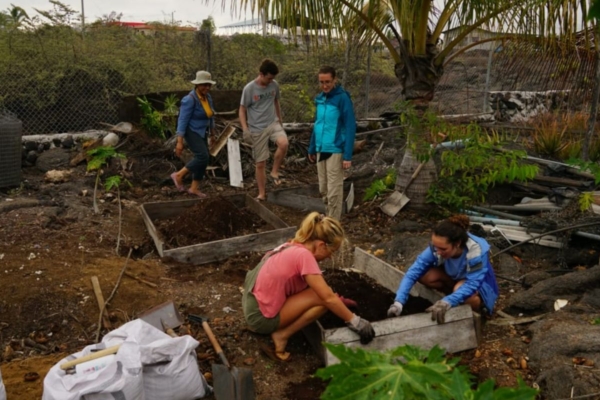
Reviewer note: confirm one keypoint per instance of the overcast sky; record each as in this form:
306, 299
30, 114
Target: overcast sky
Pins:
188, 12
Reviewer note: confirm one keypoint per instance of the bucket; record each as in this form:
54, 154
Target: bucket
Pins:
10, 150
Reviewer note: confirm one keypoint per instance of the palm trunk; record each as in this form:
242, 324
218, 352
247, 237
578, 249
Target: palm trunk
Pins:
585, 152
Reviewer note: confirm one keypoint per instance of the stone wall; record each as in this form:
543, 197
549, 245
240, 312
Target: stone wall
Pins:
520, 106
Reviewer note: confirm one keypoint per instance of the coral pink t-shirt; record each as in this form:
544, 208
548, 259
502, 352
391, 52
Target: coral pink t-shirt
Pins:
282, 276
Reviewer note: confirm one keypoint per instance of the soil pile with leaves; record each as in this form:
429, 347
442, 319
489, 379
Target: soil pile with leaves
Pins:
52, 243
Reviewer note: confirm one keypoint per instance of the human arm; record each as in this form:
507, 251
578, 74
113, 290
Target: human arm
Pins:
330, 300
349, 126
185, 114
278, 110
334, 304
243, 118
422, 264
312, 145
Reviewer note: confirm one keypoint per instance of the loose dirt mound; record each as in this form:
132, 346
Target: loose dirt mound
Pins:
210, 220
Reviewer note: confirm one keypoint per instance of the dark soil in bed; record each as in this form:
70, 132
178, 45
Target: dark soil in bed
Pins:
210, 220
372, 298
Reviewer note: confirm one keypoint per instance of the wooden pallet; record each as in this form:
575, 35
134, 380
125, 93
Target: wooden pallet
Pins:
204, 253
460, 332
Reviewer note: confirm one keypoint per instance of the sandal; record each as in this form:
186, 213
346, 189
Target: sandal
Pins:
272, 354
274, 180
259, 199
179, 186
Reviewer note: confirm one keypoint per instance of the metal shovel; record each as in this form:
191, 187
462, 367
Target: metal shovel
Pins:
398, 200
163, 315
229, 383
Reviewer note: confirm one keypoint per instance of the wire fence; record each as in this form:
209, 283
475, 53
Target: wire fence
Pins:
55, 80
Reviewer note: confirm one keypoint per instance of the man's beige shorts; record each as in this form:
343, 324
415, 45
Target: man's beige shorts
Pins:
260, 140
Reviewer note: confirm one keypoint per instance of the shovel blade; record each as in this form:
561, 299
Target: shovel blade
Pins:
223, 383
244, 384
163, 314
394, 203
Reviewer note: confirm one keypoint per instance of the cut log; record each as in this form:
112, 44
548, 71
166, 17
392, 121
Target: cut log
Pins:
556, 181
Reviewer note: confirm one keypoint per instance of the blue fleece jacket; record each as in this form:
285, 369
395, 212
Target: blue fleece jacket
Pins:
335, 125
192, 115
473, 266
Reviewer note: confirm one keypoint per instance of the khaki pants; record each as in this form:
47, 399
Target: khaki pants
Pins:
331, 184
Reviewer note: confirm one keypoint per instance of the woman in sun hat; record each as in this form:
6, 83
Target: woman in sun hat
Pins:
196, 122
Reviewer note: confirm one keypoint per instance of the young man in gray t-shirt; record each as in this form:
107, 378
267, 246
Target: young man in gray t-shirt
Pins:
260, 117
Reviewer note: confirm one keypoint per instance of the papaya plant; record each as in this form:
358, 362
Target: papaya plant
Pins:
407, 372
99, 158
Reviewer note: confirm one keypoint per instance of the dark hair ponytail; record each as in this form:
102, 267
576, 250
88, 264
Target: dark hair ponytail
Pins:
454, 229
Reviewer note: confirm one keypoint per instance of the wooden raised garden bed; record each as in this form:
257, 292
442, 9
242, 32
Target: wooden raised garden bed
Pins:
155, 214
457, 334
308, 198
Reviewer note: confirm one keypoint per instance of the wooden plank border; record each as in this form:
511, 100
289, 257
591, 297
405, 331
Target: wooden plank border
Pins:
204, 253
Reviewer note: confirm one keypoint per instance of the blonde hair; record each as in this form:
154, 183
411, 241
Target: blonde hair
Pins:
319, 227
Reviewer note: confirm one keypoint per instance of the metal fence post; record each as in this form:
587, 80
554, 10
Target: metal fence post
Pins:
368, 81
487, 78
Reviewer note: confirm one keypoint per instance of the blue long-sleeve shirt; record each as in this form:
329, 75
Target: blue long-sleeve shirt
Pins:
473, 266
193, 117
335, 124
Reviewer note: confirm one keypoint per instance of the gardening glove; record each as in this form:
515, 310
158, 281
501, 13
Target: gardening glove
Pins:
438, 311
395, 310
348, 302
362, 327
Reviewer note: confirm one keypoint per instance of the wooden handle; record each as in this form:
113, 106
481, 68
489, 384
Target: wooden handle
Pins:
100, 300
91, 356
215, 343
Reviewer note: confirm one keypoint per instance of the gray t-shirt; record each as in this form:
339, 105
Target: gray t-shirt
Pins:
259, 102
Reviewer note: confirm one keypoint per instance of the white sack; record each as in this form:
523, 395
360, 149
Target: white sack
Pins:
2, 389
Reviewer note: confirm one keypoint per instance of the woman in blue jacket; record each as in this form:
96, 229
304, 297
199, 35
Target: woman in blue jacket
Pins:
195, 123
332, 140
456, 263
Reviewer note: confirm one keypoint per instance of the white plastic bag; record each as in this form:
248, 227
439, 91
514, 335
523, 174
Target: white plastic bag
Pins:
121, 378
2, 389
154, 366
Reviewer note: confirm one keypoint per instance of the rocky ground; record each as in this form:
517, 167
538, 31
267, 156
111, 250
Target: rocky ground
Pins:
52, 243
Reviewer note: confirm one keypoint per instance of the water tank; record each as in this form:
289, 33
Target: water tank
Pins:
10, 150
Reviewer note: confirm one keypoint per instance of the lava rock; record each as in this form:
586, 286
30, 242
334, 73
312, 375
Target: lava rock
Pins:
68, 142
56, 142
56, 158
29, 146
31, 157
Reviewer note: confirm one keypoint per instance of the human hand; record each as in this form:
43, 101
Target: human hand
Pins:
395, 310
179, 149
346, 164
246, 132
362, 327
348, 302
312, 158
438, 311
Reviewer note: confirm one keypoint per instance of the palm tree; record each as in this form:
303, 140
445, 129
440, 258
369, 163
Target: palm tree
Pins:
418, 27
13, 19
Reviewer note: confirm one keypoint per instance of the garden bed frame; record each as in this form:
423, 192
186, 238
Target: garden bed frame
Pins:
218, 250
460, 332
308, 198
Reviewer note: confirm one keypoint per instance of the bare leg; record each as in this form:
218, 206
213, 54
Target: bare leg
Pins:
474, 301
436, 278
282, 147
195, 188
297, 312
261, 179
181, 174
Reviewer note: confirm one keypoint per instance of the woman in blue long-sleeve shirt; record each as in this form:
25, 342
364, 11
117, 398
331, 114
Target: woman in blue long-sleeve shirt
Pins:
456, 263
195, 123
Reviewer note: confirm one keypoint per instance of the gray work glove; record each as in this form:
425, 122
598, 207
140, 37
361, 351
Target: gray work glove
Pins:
362, 327
395, 310
438, 311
